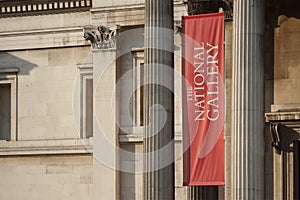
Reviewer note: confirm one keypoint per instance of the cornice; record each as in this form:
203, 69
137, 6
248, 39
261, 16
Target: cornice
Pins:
140, 6
22, 8
40, 31
282, 116
46, 147
42, 38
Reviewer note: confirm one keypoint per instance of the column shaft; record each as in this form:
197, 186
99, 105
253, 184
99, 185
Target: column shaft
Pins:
247, 162
159, 41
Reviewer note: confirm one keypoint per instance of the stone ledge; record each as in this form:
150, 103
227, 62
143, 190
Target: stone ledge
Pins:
135, 134
37, 39
282, 116
9, 70
40, 31
104, 50
41, 147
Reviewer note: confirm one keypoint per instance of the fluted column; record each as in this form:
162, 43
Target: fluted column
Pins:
247, 163
159, 101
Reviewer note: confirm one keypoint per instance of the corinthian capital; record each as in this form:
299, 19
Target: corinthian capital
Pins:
100, 37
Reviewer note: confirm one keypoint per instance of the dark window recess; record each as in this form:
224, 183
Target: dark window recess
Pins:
89, 108
5, 111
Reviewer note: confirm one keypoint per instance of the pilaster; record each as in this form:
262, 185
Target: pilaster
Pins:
105, 163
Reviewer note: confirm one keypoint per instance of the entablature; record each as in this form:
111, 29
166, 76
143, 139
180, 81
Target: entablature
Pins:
10, 8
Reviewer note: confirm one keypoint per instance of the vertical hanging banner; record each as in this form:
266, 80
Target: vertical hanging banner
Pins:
203, 100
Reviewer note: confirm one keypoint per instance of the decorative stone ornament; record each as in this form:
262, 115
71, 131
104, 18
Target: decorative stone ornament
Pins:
209, 6
100, 37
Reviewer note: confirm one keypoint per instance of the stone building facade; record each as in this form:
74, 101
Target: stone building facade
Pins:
67, 123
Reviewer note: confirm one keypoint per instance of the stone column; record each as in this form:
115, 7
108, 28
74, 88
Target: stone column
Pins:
247, 164
158, 143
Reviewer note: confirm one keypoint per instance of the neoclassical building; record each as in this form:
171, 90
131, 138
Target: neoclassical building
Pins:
73, 103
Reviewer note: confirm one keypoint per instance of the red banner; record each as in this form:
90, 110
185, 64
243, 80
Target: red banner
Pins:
203, 100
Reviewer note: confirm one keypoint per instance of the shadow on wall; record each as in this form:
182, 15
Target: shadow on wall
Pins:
10, 61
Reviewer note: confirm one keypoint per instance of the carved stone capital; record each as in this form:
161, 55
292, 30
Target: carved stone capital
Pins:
227, 6
101, 37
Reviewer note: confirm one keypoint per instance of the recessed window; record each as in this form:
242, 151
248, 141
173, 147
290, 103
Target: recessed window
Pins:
5, 111
86, 101
138, 74
88, 108
8, 106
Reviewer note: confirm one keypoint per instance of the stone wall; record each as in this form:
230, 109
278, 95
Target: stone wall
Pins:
282, 97
43, 31
43, 52
287, 61
46, 177
45, 91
